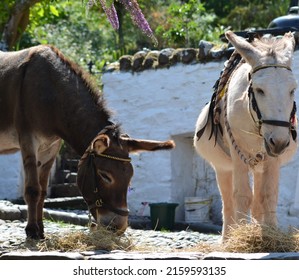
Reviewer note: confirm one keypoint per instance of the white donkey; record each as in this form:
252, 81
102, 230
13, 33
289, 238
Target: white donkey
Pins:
250, 127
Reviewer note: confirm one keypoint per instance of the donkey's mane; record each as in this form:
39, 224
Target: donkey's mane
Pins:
269, 45
92, 87
87, 79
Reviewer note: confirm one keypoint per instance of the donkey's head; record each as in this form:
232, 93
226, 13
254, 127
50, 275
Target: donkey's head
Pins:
105, 172
271, 88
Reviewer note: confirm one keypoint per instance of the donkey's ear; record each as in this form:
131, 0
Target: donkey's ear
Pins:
289, 45
100, 143
290, 38
244, 48
138, 145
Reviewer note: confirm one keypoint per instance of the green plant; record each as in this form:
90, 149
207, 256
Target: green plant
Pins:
187, 24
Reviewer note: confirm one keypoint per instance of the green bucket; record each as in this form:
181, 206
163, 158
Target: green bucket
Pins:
162, 215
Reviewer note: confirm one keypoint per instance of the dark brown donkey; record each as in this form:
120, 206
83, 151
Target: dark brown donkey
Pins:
44, 98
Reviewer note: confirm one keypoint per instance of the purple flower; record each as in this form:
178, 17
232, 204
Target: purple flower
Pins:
110, 12
133, 8
138, 17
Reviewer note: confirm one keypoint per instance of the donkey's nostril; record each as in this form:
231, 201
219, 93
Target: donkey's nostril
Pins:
272, 141
277, 146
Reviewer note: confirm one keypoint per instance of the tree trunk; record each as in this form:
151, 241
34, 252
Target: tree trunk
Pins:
16, 24
120, 32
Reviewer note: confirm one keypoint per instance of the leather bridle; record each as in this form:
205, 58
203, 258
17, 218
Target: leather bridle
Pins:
88, 158
253, 161
261, 121
99, 203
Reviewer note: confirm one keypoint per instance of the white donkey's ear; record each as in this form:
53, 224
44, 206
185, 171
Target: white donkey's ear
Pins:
289, 45
244, 48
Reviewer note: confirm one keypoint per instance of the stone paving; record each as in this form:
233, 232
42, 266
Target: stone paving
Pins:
172, 245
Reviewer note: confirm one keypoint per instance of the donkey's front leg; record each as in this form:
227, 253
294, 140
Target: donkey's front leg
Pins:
266, 193
242, 194
224, 180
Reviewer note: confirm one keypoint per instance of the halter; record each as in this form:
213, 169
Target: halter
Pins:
90, 156
115, 158
99, 203
253, 161
255, 107
264, 66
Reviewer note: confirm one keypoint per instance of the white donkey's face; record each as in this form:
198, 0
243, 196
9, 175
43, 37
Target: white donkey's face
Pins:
274, 90
272, 86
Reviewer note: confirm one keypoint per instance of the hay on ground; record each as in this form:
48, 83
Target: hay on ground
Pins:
255, 238
100, 239
243, 238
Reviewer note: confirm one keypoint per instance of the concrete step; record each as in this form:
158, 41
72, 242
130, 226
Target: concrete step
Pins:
76, 202
64, 190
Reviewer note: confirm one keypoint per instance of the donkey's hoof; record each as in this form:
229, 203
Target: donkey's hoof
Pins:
32, 232
41, 230
41, 235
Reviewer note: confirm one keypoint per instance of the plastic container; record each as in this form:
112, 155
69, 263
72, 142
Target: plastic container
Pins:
197, 209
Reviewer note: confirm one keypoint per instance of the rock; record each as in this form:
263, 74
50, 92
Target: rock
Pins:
111, 67
164, 57
218, 52
188, 55
138, 59
205, 46
125, 63
151, 60
10, 213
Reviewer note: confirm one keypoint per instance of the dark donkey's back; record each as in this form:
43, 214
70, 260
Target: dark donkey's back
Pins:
44, 97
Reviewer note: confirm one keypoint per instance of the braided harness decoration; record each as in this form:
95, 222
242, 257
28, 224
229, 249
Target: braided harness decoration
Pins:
220, 91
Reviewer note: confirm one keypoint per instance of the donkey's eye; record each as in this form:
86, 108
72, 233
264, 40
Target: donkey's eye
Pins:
259, 91
293, 91
106, 177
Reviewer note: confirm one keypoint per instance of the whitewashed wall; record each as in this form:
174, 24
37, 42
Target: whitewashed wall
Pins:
10, 176
163, 104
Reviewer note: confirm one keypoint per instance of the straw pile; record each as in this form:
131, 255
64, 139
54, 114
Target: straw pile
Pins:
255, 238
244, 238
100, 239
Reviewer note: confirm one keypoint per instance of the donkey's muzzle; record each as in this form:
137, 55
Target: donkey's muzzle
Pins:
112, 222
276, 147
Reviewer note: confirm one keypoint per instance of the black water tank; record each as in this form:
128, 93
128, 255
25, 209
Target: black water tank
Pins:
290, 20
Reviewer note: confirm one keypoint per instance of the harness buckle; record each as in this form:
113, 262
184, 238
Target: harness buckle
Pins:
99, 202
